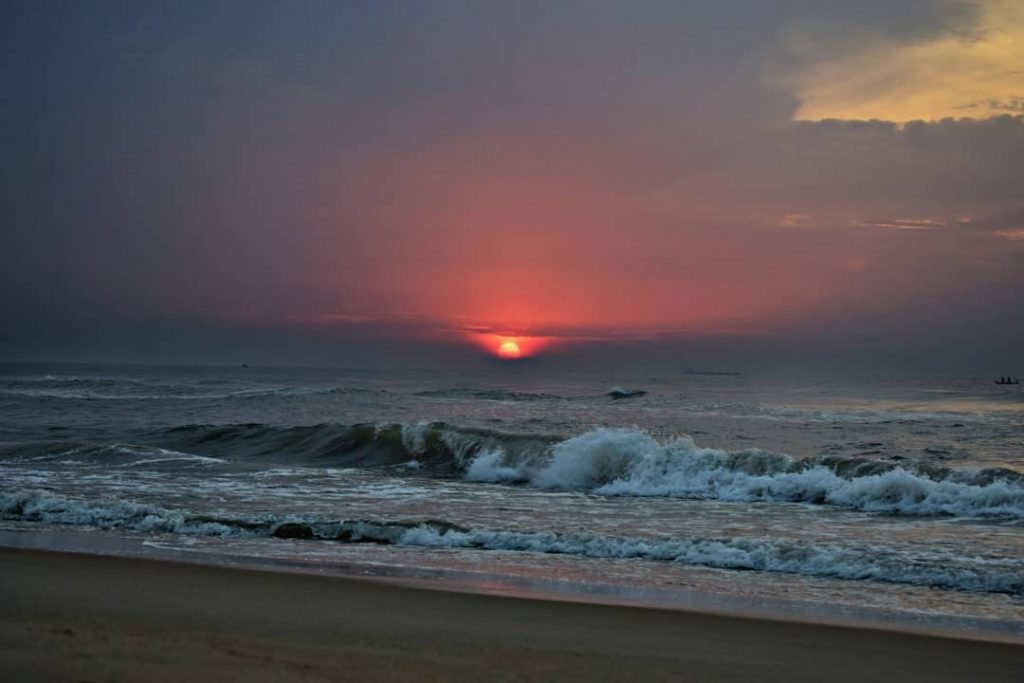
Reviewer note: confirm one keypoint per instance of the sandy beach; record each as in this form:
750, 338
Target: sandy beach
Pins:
88, 618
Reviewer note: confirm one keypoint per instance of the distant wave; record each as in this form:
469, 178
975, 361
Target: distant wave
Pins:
125, 389
845, 415
941, 569
70, 387
489, 395
105, 455
869, 416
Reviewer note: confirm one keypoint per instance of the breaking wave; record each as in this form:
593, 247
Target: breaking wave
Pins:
852, 562
603, 461
631, 462
436, 446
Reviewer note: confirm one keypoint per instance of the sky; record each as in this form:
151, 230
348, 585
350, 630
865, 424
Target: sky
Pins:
746, 183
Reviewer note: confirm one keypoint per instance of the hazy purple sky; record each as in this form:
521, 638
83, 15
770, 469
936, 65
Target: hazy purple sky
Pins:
755, 183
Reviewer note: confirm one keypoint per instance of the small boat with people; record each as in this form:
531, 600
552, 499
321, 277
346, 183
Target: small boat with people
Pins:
1008, 380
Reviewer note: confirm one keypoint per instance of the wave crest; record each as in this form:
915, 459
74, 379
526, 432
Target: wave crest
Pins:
603, 461
631, 462
934, 568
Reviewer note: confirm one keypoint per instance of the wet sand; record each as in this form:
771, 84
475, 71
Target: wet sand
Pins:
70, 617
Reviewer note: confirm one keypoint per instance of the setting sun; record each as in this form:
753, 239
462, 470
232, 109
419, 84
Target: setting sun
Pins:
510, 346
509, 349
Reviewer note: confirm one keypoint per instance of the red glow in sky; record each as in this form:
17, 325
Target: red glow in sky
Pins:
558, 195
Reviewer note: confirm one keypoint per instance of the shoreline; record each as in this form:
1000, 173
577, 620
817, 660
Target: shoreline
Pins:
524, 588
99, 617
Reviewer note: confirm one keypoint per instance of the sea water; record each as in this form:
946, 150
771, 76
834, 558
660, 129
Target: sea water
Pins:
895, 500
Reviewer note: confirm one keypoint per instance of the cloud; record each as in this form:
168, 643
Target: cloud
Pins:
857, 174
797, 220
806, 220
903, 224
1012, 234
968, 71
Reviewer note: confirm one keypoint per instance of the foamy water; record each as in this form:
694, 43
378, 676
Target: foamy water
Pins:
902, 498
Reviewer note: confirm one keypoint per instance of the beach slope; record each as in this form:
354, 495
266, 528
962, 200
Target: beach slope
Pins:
86, 618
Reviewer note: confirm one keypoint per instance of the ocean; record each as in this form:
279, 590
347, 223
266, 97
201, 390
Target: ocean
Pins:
887, 501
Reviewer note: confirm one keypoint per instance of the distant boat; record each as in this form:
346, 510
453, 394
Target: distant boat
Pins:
1007, 380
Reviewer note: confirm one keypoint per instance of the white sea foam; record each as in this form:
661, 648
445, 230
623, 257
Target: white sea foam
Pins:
630, 462
487, 467
940, 569
164, 455
130, 455
414, 436
114, 514
854, 561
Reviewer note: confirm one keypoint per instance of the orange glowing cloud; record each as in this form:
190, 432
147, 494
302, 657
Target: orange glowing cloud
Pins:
971, 72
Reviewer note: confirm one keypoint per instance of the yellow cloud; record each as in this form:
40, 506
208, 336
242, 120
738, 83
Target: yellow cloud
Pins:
968, 74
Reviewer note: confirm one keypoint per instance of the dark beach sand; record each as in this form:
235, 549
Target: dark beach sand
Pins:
86, 618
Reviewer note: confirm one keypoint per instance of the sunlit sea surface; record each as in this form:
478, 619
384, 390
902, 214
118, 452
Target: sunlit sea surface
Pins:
895, 500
